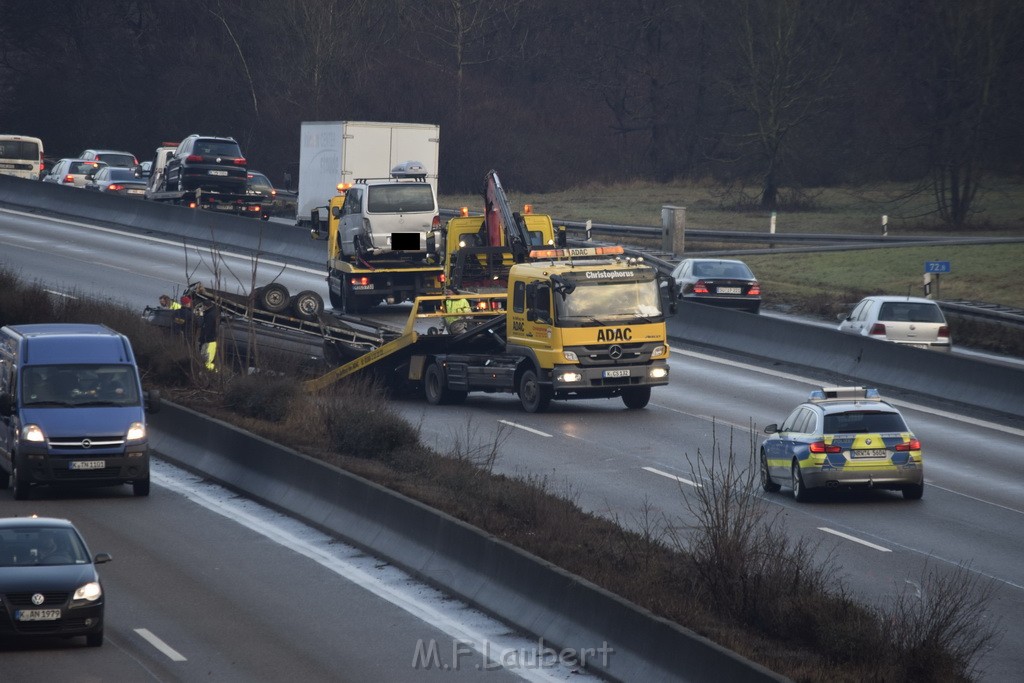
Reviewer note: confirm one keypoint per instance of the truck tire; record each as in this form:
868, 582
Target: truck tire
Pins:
636, 398
433, 385
307, 305
534, 396
273, 298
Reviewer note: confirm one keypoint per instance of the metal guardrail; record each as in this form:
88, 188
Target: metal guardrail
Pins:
584, 233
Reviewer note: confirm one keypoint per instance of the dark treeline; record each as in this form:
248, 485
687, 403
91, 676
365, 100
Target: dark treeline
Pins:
774, 94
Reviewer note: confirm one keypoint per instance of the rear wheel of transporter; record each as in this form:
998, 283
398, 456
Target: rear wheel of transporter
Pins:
307, 305
273, 298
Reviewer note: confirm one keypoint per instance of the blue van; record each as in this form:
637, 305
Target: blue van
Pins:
72, 409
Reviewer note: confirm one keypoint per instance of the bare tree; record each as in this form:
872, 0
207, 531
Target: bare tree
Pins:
969, 45
786, 54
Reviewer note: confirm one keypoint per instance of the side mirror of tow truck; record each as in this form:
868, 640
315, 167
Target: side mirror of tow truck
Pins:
314, 221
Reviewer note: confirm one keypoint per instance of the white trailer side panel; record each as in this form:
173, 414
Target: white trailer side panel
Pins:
333, 152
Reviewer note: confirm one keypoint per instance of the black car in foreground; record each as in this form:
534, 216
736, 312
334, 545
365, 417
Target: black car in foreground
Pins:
48, 581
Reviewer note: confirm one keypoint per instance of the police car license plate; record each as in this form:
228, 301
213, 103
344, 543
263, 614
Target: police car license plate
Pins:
616, 373
37, 614
87, 464
728, 290
869, 453
215, 172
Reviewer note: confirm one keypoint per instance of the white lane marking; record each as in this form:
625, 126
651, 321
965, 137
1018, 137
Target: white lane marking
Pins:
56, 293
524, 428
970, 497
159, 240
171, 653
673, 477
811, 383
854, 539
488, 637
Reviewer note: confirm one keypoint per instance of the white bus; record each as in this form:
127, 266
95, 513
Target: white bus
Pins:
21, 156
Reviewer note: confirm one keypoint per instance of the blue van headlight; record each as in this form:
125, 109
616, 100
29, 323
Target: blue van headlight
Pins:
136, 431
33, 433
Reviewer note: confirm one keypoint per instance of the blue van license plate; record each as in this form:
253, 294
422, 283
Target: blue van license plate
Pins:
87, 464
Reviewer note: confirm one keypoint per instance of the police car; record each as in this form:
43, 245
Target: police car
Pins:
842, 437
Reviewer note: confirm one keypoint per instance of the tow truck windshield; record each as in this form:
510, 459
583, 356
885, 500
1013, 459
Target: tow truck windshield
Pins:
605, 301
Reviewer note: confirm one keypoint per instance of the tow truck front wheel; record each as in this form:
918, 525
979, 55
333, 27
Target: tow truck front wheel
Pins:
637, 397
534, 396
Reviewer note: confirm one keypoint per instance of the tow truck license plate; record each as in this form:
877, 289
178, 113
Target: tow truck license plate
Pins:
869, 453
216, 172
87, 464
616, 373
37, 614
728, 290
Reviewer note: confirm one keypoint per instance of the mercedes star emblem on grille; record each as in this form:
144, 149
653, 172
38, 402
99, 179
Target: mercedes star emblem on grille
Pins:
615, 351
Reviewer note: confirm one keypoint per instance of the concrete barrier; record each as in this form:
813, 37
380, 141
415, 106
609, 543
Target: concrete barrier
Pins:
514, 586
193, 226
851, 359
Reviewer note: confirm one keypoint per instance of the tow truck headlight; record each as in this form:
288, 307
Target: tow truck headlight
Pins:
658, 351
33, 433
570, 356
136, 431
658, 373
570, 376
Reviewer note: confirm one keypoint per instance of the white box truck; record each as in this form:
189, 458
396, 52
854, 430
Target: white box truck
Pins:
332, 152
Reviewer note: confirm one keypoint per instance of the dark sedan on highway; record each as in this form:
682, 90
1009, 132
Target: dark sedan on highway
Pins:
721, 282
117, 180
49, 585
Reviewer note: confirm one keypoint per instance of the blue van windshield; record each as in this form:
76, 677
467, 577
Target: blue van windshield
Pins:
75, 385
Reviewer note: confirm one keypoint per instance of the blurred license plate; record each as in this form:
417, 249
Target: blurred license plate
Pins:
370, 286
728, 290
37, 614
214, 172
87, 464
8, 166
136, 192
616, 373
869, 453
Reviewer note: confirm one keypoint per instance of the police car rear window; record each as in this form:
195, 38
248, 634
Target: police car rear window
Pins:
864, 423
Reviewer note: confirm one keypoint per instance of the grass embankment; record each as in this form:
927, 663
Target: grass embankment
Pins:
737, 577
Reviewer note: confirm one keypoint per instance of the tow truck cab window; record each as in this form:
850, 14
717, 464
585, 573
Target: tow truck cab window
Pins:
539, 296
519, 297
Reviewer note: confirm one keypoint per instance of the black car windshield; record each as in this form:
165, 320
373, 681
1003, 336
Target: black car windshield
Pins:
220, 148
122, 174
864, 422
35, 545
72, 385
